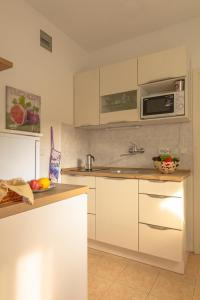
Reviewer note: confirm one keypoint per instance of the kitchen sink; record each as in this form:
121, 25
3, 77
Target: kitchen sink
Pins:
114, 170
124, 171
93, 170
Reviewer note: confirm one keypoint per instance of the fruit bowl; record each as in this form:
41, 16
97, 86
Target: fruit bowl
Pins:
165, 163
167, 167
41, 185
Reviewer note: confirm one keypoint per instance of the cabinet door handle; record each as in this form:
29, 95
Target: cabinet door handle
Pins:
157, 196
157, 227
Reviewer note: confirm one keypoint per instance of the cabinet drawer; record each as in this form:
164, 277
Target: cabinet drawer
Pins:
79, 180
161, 242
159, 187
91, 201
91, 226
161, 210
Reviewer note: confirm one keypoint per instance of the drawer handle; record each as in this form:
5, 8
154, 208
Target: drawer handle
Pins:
157, 227
157, 196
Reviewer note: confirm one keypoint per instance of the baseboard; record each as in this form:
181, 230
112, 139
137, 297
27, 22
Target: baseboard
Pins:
177, 267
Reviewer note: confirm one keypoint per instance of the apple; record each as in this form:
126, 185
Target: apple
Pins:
34, 184
168, 159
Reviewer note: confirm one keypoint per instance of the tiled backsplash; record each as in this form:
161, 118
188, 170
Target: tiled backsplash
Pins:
108, 144
74, 146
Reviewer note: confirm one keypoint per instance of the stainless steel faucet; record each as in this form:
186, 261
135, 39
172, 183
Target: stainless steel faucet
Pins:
89, 161
133, 150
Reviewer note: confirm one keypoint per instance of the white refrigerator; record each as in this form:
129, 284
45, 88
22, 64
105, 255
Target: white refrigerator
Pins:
19, 156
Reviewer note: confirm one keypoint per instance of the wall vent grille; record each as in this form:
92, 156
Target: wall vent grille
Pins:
45, 40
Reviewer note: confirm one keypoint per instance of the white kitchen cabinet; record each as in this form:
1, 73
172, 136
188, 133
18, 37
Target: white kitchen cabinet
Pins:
162, 219
161, 210
79, 180
159, 187
92, 201
91, 226
86, 98
117, 212
161, 242
119, 77
91, 207
84, 180
118, 91
157, 66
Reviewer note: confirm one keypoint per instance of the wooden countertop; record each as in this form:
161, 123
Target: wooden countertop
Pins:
61, 192
149, 174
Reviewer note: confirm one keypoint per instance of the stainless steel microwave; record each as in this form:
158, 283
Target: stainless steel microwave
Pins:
163, 105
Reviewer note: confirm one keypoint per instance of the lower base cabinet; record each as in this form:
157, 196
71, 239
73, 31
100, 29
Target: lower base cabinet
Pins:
117, 212
161, 242
140, 215
91, 226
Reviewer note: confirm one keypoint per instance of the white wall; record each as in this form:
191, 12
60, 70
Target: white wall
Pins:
36, 70
186, 33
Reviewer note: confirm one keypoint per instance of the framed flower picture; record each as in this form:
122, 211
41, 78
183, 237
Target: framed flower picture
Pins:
23, 110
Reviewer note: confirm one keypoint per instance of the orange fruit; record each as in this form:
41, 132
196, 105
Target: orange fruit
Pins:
44, 182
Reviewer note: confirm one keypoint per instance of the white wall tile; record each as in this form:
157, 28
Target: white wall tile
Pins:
108, 144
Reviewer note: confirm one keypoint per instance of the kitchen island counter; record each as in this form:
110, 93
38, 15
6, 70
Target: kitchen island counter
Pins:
59, 193
44, 246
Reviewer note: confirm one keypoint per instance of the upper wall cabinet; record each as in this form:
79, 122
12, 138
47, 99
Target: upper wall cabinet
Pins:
118, 91
162, 65
119, 77
86, 98
5, 64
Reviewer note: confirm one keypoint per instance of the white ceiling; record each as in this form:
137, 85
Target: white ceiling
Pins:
95, 24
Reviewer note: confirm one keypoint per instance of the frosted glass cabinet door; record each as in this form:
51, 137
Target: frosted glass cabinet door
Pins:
119, 77
117, 212
162, 65
86, 98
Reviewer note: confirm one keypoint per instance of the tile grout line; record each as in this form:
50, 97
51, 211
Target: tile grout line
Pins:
156, 279
114, 281
194, 289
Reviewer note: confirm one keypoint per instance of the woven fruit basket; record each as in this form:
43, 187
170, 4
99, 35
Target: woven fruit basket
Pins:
15, 190
11, 197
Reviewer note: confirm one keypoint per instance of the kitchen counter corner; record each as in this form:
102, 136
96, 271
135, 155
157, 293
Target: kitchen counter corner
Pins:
61, 192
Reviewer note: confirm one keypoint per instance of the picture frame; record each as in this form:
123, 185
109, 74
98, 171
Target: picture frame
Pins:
23, 111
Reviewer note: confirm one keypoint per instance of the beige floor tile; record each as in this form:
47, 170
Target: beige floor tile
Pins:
93, 260
193, 265
173, 286
122, 292
110, 267
197, 290
139, 276
97, 286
